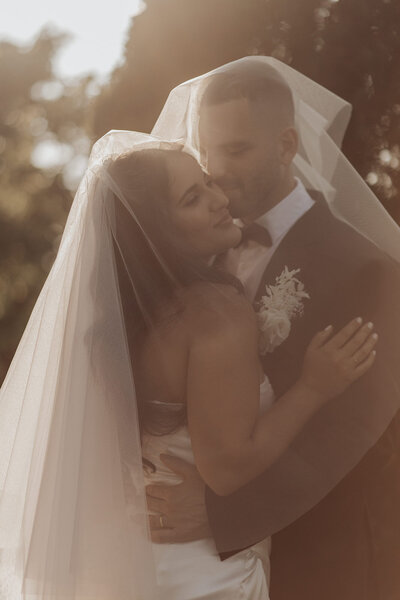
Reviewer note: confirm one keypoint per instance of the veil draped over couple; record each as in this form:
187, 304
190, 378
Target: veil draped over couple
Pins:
204, 403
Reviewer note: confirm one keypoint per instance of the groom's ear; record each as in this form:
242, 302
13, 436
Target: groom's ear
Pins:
288, 144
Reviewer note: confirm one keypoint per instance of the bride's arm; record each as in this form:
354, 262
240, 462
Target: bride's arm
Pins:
232, 443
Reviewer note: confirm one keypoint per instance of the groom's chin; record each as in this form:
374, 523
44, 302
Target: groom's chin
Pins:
235, 237
237, 205
232, 238
237, 209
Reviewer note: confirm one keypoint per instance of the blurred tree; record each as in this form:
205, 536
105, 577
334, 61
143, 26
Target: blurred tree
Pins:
350, 46
174, 40
41, 128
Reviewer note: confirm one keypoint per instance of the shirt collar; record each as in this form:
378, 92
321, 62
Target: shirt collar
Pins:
279, 219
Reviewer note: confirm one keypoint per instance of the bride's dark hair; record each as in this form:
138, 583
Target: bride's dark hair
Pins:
152, 266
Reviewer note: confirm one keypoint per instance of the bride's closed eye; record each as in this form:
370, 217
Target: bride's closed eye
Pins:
191, 200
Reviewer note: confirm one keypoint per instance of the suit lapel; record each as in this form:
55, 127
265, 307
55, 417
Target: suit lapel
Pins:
302, 248
295, 249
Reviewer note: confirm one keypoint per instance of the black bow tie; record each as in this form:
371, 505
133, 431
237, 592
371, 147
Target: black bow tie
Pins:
256, 233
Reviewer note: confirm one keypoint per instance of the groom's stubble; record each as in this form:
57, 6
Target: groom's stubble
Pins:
241, 147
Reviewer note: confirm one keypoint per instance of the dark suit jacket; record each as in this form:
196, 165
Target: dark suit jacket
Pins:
346, 547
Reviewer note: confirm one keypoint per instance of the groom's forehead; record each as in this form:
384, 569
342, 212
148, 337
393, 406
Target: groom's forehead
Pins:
221, 122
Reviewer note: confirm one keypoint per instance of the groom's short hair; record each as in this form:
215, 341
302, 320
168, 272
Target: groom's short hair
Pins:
255, 81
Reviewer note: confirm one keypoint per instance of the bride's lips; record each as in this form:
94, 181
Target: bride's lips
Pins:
225, 219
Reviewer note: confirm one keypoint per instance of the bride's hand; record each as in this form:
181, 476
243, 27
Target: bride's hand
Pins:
333, 362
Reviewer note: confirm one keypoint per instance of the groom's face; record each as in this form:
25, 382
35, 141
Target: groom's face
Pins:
239, 149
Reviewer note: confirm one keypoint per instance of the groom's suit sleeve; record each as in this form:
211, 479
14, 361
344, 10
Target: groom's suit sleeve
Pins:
359, 520
348, 546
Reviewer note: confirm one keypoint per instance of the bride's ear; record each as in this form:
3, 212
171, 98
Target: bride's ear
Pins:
288, 145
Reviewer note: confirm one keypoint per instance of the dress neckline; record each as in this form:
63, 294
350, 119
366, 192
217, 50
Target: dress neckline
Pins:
263, 383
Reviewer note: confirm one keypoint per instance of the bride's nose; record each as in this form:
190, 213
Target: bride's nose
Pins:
218, 199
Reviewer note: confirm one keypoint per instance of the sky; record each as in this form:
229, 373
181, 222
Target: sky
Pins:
99, 30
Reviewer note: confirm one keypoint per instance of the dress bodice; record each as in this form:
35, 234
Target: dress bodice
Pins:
193, 570
179, 444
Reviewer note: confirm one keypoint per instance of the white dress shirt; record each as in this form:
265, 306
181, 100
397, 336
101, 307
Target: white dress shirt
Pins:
249, 260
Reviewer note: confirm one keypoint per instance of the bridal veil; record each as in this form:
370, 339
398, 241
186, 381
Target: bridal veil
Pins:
343, 432
321, 120
73, 522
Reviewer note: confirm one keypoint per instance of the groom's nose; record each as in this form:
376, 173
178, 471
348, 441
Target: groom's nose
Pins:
215, 165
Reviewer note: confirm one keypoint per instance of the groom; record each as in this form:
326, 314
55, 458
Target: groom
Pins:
348, 546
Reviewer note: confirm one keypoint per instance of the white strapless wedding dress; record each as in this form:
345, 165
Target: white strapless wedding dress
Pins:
193, 570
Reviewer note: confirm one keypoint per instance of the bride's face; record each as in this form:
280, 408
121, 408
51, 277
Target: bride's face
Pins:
198, 209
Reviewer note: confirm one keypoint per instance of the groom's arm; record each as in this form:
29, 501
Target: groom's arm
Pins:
359, 519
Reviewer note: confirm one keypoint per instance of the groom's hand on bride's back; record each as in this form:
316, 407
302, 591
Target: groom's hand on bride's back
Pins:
181, 507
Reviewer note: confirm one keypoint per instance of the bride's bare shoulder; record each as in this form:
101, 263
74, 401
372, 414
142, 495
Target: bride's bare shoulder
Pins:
216, 308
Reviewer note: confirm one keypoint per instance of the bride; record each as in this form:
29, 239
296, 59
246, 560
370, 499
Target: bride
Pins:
139, 342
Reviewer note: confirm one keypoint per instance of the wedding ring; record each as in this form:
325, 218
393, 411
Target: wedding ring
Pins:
161, 522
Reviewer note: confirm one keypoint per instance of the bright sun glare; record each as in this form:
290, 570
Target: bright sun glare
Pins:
98, 29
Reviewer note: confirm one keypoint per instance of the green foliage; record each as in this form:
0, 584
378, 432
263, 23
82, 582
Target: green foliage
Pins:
351, 47
35, 109
171, 41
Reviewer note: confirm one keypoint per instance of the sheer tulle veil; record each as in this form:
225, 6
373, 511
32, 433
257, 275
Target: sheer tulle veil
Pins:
342, 433
73, 523
72, 505
321, 119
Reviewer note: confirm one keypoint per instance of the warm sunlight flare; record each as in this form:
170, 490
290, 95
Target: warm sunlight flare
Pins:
98, 30
199, 300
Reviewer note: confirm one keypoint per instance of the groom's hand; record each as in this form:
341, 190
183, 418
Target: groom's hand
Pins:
181, 507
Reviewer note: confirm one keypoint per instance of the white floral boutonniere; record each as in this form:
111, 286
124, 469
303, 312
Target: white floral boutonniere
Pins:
282, 303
